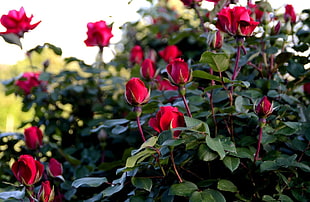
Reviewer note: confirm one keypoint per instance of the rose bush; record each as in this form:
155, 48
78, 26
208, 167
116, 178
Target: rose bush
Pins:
222, 115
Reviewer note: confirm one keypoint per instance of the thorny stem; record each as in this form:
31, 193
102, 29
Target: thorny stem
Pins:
182, 93
158, 161
239, 41
212, 105
262, 122
174, 166
138, 110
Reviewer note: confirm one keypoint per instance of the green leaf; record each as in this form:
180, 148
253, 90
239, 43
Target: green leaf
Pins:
216, 145
142, 183
139, 157
55, 49
208, 195
219, 62
295, 69
232, 163
205, 153
13, 194
196, 125
226, 185
205, 75
90, 181
269, 198
149, 142
12, 38
112, 190
185, 188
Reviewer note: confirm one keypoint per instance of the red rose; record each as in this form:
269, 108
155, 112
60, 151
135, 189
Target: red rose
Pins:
136, 93
178, 72
167, 117
148, 69
289, 13
264, 108
17, 22
46, 193
33, 137
27, 170
136, 55
307, 88
164, 84
236, 21
98, 34
258, 12
28, 81
54, 168
170, 52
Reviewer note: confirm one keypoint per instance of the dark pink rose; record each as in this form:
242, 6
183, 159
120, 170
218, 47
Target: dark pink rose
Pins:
46, 192
98, 34
136, 55
28, 81
33, 137
170, 52
148, 69
17, 22
264, 108
289, 13
136, 93
178, 72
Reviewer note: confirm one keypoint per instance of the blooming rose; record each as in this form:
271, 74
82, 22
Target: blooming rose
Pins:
46, 193
54, 168
28, 81
289, 13
98, 34
148, 69
258, 12
170, 52
27, 170
167, 117
178, 72
236, 21
17, 22
136, 55
264, 108
136, 93
33, 137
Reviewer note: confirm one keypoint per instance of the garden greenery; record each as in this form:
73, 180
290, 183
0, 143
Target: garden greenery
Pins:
198, 105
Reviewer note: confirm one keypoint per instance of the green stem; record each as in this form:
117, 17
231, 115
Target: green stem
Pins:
174, 166
262, 122
182, 93
138, 110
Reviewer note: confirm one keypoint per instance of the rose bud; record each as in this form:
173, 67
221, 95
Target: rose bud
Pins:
98, 34
170, 52
46, 193
164, 84
236, 21
54, 168
276, 29
289, 14
264, 108
190, 3
136, 55
17, 22
33, 137
306, 87
167, 117
136, 93
217, 40
178, 72
27, 170
148, 69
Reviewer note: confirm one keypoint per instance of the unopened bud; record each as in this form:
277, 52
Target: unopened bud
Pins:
264, 108
217, 40
276, 29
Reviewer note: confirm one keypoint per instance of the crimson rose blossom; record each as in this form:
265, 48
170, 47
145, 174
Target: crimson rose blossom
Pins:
170, 52
99, 34
167, 117
148, 69
27, 170
17, 22
178, 72
136, 93
33, 137
54, 168
236, 21
46, 193
306, 87
28, 81
289, 13
165, 84
264, 108
136, 55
